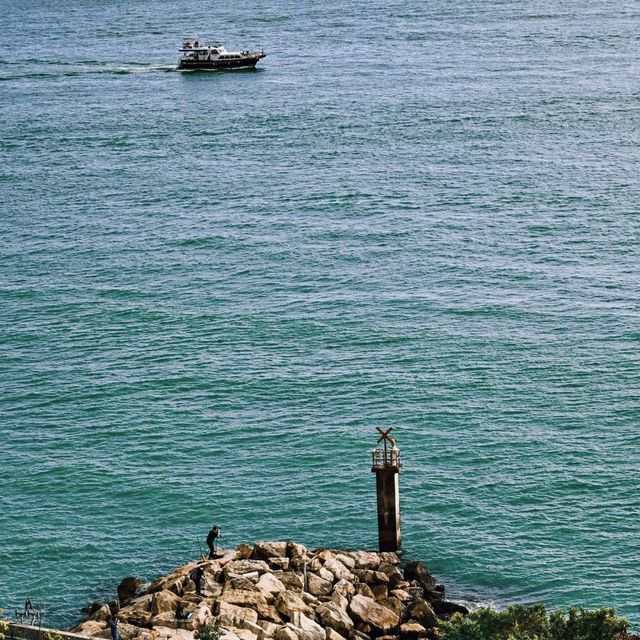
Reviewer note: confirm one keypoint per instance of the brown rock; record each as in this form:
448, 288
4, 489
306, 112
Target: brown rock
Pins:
243, 551
364, 627
231, 615
287, 632
272, 615
338, 569
394, 604
311, 630
344, 588
163, 601
128, 589
269, 628
389, 556
93, 629
380, 592
309, 599
292, 582
249, 599
363, 589
340, 601
412, 630
166, 619
266, 549
279, 564
366, 560
269, 585
315, 564
373, 577
401, 594
325, 554
368, 611
128, 631
288, 603
347, 560
101, 614
325, 574
245, 634
242, 567
421, 612
242, 583
333, 617
296, 550
317, 586
333, 635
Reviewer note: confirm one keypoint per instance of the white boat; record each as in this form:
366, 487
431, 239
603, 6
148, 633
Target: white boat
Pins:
199, 55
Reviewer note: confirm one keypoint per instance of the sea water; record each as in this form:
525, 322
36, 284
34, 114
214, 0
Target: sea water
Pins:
214, 286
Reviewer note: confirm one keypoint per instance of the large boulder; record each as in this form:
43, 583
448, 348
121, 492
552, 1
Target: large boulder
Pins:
138, 611
394, 604
128, 589
231, 615
101, 613
366, 560
292, 582
419, 572
380, 592
287, 632
309, 629
368, 611
347, 560
333, 617
163, 601
363, 589
422, 612
248, 599
243, 583
241, 567
338, 569
266, 549
269, 585
317, 586
93, 629
243, 551
344, 588
412, 630
289, 603
296, 551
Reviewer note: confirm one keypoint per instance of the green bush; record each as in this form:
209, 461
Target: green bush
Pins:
518, 622
210, 631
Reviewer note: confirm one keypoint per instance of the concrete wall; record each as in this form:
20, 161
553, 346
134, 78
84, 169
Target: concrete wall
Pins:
29, 632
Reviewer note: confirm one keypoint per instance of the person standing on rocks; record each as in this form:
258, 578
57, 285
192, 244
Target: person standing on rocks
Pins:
214, 534
196, 576
112, 623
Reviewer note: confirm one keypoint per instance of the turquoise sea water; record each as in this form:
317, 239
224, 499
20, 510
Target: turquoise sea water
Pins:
213, 287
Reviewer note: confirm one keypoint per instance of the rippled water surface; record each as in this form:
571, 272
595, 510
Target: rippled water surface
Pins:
214, 286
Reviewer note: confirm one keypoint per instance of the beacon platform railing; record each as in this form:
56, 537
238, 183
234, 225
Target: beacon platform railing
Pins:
385, 458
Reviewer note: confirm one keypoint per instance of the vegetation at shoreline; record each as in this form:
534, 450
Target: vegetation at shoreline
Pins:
519, 622
4, 627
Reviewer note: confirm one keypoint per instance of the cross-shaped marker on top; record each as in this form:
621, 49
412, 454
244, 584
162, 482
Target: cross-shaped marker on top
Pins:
385, 434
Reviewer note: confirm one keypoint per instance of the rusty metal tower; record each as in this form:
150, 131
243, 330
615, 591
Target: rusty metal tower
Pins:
386, 465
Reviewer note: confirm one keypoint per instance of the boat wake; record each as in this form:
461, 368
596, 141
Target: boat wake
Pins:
61, 70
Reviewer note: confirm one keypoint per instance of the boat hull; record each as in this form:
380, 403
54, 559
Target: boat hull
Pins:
248, 62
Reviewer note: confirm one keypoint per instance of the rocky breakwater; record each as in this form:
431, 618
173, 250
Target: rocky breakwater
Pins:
283, 591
